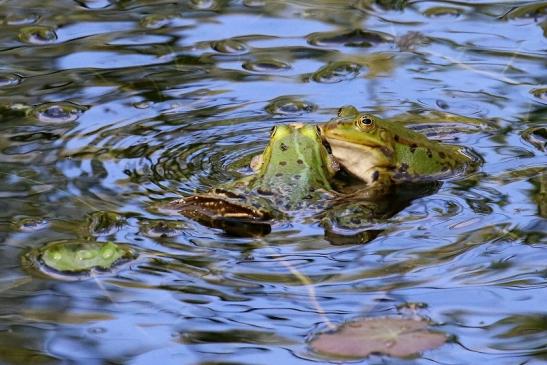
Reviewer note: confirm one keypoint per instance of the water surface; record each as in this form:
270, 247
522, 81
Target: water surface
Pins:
114, 106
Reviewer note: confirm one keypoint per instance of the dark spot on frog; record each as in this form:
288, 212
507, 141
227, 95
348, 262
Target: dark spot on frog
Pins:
355, 220
279, 174
386, 151
413, 147
299, 161
429, 153
442, 154
282, 163
375, 175
396, 137
283, 147
444, 168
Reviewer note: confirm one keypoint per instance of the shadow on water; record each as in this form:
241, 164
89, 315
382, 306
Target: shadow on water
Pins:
108, 109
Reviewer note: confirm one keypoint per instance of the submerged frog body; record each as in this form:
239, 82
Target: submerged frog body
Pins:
380, 152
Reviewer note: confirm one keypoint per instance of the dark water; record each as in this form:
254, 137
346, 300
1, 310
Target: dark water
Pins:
114, 106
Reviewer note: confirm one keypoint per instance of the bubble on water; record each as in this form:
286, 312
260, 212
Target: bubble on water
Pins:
142, 104
254, 3
62, 112
203, 4
155, 21
37, 35
23, 19
537, 137
96, 330
266, 66
289, 105
30, 224
94, 4
354, 38
104, 223
7, 80
540, 93
337, 72
162, 228
229, 46
443, 11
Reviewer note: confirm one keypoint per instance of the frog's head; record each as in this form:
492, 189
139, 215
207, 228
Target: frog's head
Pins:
361, 129
295, 161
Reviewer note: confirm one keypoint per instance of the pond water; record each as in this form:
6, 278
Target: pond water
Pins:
108, 108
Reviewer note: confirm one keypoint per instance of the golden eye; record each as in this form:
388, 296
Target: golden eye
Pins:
365, 122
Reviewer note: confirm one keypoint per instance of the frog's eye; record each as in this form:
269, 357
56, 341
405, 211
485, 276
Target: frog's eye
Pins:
340, 112
365, 122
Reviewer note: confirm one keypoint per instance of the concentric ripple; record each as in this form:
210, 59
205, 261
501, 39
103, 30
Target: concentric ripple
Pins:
38, 35
337, 72
9, 80
63, 112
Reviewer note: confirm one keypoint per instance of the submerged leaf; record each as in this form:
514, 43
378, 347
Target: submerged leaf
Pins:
390, 336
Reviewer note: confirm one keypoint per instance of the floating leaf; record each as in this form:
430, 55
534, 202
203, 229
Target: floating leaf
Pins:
390, 336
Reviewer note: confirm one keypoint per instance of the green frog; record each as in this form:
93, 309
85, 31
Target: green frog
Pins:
292, 174
381, 153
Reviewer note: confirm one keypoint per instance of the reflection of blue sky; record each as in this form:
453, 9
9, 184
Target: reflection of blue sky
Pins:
106, 60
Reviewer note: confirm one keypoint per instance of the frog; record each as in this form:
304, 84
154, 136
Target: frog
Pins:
291, 176
382, 153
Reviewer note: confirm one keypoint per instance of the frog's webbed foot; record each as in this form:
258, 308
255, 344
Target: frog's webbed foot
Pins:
224, 211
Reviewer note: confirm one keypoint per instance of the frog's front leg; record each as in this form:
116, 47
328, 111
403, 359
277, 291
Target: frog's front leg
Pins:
379, 183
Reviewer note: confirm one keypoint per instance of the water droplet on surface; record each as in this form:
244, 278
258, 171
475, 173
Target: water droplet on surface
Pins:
162, 229
266, 66
155, 21
7, 80
203, 4
536, 136
254, 3
443, 11
96, 330
93, 4
104, 223
142, 104
287, 105
229, 46
354, 38
540, 93
31, 224
23, 19
37, 35
337, 72
62, 112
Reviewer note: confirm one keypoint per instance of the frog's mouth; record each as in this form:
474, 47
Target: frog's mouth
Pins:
363, 146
